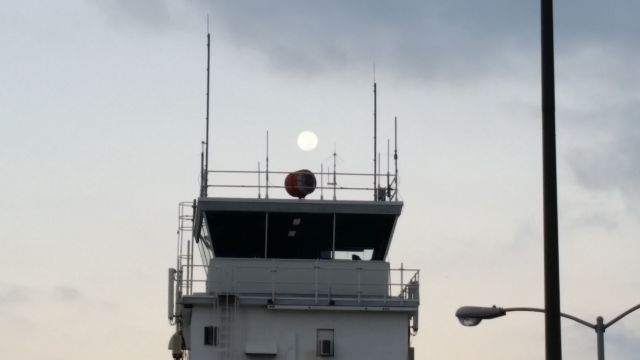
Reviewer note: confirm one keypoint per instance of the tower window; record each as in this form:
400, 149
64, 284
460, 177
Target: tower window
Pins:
325, 343
211, 335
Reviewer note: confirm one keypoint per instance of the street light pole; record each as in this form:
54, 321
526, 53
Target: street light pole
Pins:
550, 188
600, 328
473, 315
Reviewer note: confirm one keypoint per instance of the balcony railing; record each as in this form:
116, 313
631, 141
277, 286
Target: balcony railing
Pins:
311, 285
329, 185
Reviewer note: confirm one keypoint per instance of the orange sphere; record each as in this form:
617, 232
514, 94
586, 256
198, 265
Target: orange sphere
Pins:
300, 183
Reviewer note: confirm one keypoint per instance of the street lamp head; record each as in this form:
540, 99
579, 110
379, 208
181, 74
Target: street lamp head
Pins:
473, 315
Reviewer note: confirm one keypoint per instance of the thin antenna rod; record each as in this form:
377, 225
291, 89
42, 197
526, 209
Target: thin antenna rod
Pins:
203, 186
266, 190
379, 173
259, 185
206, 159
335, 183
321, 181
375, 134
388, 171
395, 153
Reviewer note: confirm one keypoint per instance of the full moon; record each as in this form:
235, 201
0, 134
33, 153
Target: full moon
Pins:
307, 140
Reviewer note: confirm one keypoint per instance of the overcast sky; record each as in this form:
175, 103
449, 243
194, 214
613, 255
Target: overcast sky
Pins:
101, 118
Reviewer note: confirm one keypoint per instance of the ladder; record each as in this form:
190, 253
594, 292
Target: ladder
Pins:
227, 309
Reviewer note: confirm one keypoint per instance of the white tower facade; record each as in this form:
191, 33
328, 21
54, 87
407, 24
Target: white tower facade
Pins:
291, 279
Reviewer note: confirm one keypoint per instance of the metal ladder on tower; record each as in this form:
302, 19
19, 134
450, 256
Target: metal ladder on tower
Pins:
227, 313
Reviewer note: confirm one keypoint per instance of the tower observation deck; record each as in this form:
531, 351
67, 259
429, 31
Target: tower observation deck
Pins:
291, 279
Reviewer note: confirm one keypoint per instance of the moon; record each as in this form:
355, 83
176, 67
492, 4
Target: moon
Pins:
307, 140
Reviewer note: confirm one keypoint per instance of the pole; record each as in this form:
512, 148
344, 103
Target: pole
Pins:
266, 180
375, 139
206, 159
600, 328
553, 334
395, 154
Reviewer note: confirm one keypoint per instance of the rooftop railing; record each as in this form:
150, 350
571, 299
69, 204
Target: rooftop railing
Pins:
330, 185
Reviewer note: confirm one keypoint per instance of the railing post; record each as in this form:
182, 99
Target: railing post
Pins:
402, 290
273, 283
315, 282
388, 286
359, 284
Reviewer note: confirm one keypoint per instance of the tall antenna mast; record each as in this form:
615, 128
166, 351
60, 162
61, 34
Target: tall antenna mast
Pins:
205, 179
395, 153
375, 135
266, 182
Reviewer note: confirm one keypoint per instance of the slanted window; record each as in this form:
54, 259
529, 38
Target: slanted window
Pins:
325, 343
211, 335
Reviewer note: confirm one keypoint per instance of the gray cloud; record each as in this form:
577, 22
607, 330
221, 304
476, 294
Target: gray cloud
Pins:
14, 294
614, 164
450, 39
66, 294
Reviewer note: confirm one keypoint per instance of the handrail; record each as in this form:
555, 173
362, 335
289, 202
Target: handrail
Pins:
326, 180
359, 288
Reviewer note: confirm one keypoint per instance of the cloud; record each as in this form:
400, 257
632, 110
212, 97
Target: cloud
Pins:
66, 294
613, 164
452, 39
410, 38
14, 294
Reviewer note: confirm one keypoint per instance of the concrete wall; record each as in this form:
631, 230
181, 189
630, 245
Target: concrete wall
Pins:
357, 335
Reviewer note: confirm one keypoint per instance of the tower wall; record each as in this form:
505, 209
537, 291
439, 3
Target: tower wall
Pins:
294, 334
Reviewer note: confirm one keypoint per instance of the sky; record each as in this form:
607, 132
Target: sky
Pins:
102, 114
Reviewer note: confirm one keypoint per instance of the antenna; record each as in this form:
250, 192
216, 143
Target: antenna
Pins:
321, 181
379, 172
259, 185
375, 134
334, 183
395, 153
205, 179
266, 184
388, 174
203, 186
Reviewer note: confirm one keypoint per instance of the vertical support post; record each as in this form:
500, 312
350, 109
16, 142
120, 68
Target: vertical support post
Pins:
402, 282
359, 283
273, 283
206, 159
266, 183
333, 243
335, 182
375, 138
600, 328
266, 234
388, 171
550, 197
203, 171
378, 173
259, 185
395, 154
315, 281
321, 181
189, 257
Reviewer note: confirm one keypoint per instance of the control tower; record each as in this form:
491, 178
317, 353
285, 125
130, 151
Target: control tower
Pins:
291, 279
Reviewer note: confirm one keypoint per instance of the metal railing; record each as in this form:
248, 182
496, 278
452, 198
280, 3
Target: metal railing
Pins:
330, 185
399, 287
